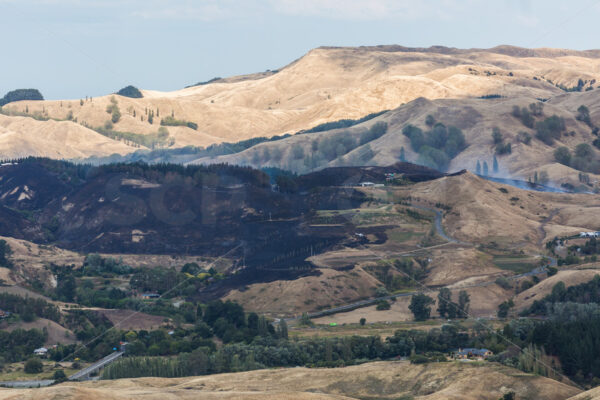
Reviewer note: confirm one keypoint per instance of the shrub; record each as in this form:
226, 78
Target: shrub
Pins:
524, 137
550, 129
383, 305
563, 155
503, 148
504, 283
33, 366
59, 375
584, 150
497, 135
171, 121
429, 120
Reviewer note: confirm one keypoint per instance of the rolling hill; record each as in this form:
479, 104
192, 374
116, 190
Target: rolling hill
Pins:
476, 118
328, 84
381, 380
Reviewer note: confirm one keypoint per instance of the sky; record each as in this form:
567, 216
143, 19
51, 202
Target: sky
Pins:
69, 49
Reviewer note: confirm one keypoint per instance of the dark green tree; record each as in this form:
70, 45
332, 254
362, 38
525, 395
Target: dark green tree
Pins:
464, 301
420, 306
282, 329
33, 366
402, 154
59, 376
444, 302
496, 135
5, 252
563, 155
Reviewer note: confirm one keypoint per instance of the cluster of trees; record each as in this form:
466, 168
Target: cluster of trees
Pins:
19, 344
420, 305
113, 110
28, 308
527, 114
94, 265
152, 140
550, 129
172, 121
273, 351
449, 309
485, 170
590, 249
547, 130
578, 358
72, 287
224, 320
583, 115
213, 175
584, 293
436, 147
21, 94
130, 91
334, 146
583, 159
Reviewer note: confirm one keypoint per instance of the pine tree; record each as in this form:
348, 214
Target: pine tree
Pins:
402, 155
444, 300
478, 168
464, 301
283, 329
495, 165
485, 168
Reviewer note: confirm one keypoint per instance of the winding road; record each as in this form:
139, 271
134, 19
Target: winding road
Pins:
450, 240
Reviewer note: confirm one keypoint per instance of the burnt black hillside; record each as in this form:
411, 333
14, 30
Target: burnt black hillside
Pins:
172, 209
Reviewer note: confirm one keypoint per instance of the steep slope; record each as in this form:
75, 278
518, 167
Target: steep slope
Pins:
329, 84
381, 380
475, 117
23, 136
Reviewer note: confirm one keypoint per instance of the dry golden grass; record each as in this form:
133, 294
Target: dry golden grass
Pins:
309, 293
518, 219
381, 380
329, 84
23, 136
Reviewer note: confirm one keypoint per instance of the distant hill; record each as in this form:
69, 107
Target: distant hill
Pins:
530, 154
330, 84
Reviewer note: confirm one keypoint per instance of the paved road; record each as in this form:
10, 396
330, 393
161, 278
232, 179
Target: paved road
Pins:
27, 384
86, 372
438, 223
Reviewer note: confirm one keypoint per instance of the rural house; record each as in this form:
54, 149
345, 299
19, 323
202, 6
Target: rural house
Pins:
463, 354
